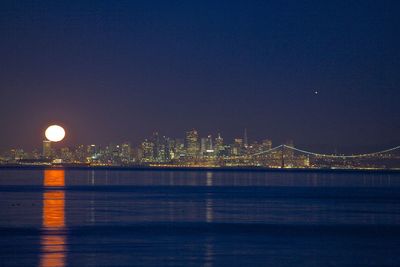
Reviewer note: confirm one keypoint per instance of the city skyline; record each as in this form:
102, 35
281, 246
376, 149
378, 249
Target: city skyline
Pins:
195, 150
330, 148
118, 71
200, 133
324, 148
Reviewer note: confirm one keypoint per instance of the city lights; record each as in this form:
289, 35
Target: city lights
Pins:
193, 150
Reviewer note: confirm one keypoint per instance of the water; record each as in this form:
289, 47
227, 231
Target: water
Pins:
169, 218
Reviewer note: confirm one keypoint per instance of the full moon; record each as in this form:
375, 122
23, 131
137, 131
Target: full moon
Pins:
55, 133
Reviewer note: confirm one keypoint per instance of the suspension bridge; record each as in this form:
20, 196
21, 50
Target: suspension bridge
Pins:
282, 147
288, 156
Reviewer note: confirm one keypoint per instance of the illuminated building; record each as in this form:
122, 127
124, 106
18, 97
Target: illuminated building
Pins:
238, 147
164, 150
226, 151
219, 145
157, 150
203, 145
80, 153
206, 145
147, 151
18, 154
246, 144
47, 150
35, 154
111, 154
66, 155
171, 149
266, 144
126, 153
192, 144
91, 151
179, 148
194, 151
167, 148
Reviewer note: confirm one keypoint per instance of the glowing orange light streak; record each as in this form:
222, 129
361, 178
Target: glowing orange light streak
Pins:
53, 242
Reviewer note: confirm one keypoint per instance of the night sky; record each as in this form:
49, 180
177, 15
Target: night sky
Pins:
114, 71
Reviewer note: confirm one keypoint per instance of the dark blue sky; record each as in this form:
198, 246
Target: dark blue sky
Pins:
118, 70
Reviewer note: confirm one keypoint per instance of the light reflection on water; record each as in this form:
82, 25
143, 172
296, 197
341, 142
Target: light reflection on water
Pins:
91, 218
199, 178
53, 240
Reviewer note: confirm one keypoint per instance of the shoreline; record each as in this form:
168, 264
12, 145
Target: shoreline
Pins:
188, 169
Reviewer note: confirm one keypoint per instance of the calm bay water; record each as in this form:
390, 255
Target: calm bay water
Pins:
170, 218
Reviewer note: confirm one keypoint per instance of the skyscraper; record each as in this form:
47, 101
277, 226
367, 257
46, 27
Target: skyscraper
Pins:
147, 151
219, 144
237, 149
192, 143
47, 151
246, 144
126, 152
156, 147
179, 148
206, 145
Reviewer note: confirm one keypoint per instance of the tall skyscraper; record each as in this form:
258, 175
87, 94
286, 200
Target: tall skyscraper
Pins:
219, 144
147, 151
209, 143
47, 151
179, 148
126, 152
156, 147
246, 144
237, 149
192, 143
166, 148
171, 149
206, 145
